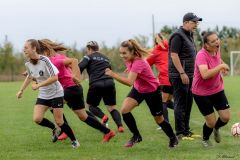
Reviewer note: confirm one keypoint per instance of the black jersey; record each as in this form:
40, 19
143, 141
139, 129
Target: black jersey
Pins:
95, 63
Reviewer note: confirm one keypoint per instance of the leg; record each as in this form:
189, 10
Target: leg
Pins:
179, 94
116, 116
96, 111
38, 116
188, 109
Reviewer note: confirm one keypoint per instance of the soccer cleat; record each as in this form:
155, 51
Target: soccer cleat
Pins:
121, 129
135, 139
217, 136
62, 136
206, 143
55, 134
108, 136
75, 144
173, 142
104, 120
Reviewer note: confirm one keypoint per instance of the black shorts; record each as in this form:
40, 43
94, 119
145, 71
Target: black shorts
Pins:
153, 100
74, 97
104, 89
207, 103
167, 89
54, 103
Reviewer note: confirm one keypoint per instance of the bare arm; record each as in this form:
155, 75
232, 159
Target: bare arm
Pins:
124, 80
209, 73
23, 87
47, 82
76, 74
178, 65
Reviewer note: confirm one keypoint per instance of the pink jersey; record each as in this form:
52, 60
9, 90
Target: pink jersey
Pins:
209, 86
65, 74
145, 82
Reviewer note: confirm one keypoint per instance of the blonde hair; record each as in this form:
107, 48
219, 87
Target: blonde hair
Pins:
134, 46
50, 47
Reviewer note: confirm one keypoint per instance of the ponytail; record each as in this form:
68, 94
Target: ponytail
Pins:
132, 45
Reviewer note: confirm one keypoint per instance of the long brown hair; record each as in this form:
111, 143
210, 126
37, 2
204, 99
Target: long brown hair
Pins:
137, 49
50, 47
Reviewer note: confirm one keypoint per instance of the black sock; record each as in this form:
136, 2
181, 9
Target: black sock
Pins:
131, 123
46, 123
206, 132
96, 124
165, 111
170, 104
166, 127
116, 117
220, 123
91, 115
96, 111
64, 119
66, 129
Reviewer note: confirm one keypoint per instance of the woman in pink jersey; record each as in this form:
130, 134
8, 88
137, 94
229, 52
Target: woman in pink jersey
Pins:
70, 80
145, 87
208, 89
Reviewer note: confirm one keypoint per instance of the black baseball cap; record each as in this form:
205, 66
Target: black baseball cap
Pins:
191, 17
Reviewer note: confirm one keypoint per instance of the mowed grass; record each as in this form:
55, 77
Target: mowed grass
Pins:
22, 139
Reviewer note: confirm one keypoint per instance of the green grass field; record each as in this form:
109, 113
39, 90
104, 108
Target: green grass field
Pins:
21, 139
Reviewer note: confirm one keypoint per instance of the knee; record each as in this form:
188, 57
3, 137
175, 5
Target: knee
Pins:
225, 118
124, 110
211, 124
37, 119
110, 108
159, 119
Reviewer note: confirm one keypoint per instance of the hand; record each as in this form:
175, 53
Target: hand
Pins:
108, 72
35, 86
24, 74
76, 80
225, 69
184, 78
19, 94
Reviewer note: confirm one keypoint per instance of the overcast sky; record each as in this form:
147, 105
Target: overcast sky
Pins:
111, 21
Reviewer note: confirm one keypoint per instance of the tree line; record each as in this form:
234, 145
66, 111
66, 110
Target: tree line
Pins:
12, 64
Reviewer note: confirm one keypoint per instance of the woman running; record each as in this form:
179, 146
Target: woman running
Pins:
101, 86
44, 73
145, 87
208, 89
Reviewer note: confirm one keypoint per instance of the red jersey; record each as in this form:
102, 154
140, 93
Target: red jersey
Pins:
159, 58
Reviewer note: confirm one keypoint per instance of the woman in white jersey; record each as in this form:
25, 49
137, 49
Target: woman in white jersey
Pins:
44, 73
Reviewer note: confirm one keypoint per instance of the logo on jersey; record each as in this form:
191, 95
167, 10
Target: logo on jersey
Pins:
41, 73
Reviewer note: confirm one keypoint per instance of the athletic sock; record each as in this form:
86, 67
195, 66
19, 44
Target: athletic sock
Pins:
96, 111
91, 115
66, 129
219, 123
116, 117
165, 111
206, 132
96, 124
166, 127
46, 123
131, 123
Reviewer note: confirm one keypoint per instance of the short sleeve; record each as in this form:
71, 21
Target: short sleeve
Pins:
176, 44
201, 59
51, 69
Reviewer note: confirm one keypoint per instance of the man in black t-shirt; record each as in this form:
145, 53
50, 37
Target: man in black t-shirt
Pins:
182, 53
101, 86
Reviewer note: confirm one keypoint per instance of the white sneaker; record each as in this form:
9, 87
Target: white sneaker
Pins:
75, 144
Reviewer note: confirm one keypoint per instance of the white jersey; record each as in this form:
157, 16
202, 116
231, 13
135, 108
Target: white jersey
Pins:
41, 72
